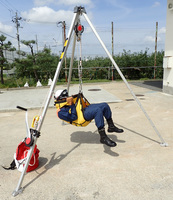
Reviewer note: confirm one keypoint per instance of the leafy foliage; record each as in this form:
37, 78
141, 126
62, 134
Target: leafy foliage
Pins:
132, 63
133, 66
42, 65
3, 60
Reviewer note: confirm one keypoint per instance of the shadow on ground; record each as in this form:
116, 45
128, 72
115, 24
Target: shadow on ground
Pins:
152, 84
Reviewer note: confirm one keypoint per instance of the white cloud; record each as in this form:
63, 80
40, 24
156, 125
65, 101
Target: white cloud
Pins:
42, 2
75, 2
162, 30
46, 14
151, 39
156, 4
5, 28
62, 2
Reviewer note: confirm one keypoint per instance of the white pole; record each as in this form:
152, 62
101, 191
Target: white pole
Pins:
58, 68
18, 188
122, 76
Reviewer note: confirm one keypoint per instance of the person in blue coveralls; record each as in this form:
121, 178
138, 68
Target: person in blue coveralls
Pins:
97, 112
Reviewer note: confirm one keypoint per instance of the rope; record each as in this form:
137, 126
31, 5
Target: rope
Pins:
80, 68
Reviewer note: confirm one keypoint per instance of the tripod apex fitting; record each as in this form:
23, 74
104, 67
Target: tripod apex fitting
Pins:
79, 9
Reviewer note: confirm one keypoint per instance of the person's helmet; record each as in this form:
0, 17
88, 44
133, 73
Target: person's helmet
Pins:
60, 94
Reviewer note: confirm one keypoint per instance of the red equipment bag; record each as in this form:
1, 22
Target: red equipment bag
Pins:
21, 155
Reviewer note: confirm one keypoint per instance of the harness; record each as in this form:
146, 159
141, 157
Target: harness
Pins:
79, 100
80, 103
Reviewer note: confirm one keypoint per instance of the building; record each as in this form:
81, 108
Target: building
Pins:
168, 57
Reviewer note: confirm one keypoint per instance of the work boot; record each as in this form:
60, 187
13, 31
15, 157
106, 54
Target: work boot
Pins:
112, 127
104, 138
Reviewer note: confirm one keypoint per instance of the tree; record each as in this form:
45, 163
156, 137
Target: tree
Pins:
30, 43
45, 65
3, 60
130, 64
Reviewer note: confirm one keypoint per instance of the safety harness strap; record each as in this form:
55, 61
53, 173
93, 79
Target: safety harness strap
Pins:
12, 166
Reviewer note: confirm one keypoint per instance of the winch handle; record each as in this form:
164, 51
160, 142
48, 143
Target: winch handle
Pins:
21, 108
26, 121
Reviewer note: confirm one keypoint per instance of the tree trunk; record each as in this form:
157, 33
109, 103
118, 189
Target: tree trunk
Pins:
34, 63
2, 79
1, 64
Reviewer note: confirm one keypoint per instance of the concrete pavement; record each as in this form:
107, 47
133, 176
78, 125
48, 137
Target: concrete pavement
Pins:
73, 163
36, 97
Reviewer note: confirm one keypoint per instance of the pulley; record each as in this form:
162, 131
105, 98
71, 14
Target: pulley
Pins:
79, 29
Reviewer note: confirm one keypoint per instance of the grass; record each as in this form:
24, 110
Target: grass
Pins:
12, 82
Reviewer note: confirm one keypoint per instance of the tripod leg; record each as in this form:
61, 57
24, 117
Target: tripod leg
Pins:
125, 81
19, 189
76, 15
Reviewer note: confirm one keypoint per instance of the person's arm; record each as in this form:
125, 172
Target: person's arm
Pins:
69, 100
68, 113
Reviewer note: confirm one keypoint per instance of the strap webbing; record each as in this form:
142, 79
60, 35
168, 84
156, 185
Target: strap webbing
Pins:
12, 166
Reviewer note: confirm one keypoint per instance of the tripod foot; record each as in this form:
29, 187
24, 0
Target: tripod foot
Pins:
164, 144
15, 193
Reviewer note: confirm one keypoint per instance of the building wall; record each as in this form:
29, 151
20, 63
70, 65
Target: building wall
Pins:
168, 57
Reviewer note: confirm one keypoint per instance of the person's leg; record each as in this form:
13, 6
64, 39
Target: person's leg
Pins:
95, 112
112, 127
104, 139
104, 107
105, 110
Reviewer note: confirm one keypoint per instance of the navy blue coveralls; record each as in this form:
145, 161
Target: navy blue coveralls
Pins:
93, 111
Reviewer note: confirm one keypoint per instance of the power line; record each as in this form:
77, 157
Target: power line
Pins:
10, 4
8, 35
5, 5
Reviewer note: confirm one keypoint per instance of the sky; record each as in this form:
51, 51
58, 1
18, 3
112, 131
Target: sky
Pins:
134, 24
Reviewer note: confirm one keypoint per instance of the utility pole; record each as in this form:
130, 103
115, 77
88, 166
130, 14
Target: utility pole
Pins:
36, 43
16, 20
112, 49
155, 50
63, 41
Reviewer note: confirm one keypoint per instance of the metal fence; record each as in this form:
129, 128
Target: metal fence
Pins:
11, 55
110, 73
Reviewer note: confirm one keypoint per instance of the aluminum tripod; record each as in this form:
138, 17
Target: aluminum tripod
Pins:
78, 11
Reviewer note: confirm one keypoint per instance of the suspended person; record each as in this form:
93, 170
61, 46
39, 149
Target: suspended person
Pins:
93, 111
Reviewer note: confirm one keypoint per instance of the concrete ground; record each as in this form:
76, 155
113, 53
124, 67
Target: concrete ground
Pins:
73, 163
